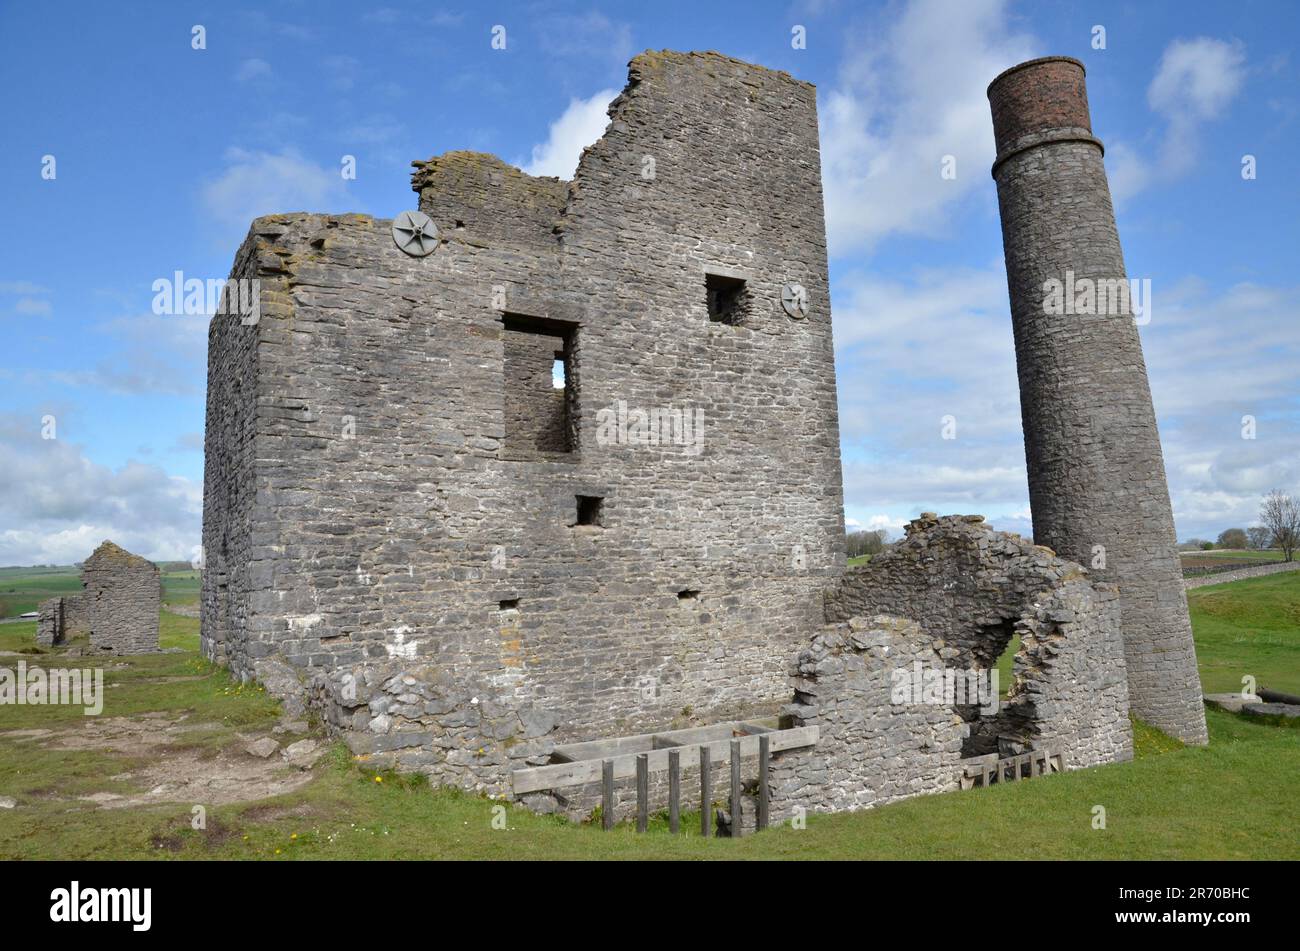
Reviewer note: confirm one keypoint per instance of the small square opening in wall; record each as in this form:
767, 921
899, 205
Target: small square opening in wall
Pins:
589, 510
688, 594
728, 298
508, 604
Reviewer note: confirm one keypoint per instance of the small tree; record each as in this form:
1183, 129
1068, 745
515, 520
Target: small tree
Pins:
1258, 537
1233, 538
1280, 514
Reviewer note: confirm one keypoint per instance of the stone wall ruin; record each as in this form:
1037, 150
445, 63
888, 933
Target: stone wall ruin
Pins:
950, 596
118, 607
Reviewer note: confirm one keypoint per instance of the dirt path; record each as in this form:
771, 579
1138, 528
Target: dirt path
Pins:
184, 761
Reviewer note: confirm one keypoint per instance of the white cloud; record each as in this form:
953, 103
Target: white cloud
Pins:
264, 183
581, 124
1195, 82
914, 348
1197, 78
906, 99
56, 505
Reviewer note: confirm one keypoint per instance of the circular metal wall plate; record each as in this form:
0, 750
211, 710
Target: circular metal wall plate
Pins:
415, 233
795, 300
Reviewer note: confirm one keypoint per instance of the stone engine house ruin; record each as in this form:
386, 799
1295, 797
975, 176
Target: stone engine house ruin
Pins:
549, 461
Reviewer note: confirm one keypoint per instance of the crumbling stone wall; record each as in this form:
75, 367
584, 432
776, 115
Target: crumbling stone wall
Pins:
50, 622
123, 594
951, 594
1096, 475
76, 615
362, 501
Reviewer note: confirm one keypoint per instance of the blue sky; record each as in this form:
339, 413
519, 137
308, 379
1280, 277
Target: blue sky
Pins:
164, 153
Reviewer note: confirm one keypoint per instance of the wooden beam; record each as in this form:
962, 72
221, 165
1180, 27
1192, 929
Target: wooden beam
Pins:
764, 754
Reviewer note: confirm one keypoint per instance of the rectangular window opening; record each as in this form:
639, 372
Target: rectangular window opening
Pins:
539, 386
689, 594
509, 604
728, 299
589, 510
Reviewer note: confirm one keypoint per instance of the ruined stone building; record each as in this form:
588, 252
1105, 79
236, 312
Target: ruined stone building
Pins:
550, 461
391, 473
118, 607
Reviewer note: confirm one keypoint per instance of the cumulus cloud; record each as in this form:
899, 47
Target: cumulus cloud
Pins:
905, 100
56, 505
581, 124
1215, 359
915, 348
1194, 83
264, 183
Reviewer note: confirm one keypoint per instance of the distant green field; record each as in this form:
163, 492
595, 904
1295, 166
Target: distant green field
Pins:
1234, 554
23, 589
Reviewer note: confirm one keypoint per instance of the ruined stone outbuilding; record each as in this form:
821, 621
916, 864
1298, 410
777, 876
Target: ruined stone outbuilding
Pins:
950, 596
118, 607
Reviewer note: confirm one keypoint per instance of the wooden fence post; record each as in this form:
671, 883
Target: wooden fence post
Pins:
674, 791
735, 789
706, 793
607, 793
764, 752
642, 792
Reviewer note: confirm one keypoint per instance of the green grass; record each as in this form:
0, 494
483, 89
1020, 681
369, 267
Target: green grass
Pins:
23, 589
1236, 798
858, 560
1249, 627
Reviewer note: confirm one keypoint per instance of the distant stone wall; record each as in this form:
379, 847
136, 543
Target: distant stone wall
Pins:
1239, 574
123, 593
951, 595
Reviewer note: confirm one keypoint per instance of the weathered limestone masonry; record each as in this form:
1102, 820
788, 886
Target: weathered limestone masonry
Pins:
405, 524
118, 606
62, 618
950, 595
1096, 476
123, 596
50, 628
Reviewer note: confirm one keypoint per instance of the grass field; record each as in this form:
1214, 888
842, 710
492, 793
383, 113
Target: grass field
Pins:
1236, 798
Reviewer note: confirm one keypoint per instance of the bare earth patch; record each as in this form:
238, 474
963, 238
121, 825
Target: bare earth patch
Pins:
173, 771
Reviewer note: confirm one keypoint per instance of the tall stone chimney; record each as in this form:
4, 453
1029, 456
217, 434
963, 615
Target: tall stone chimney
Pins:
1096, 476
